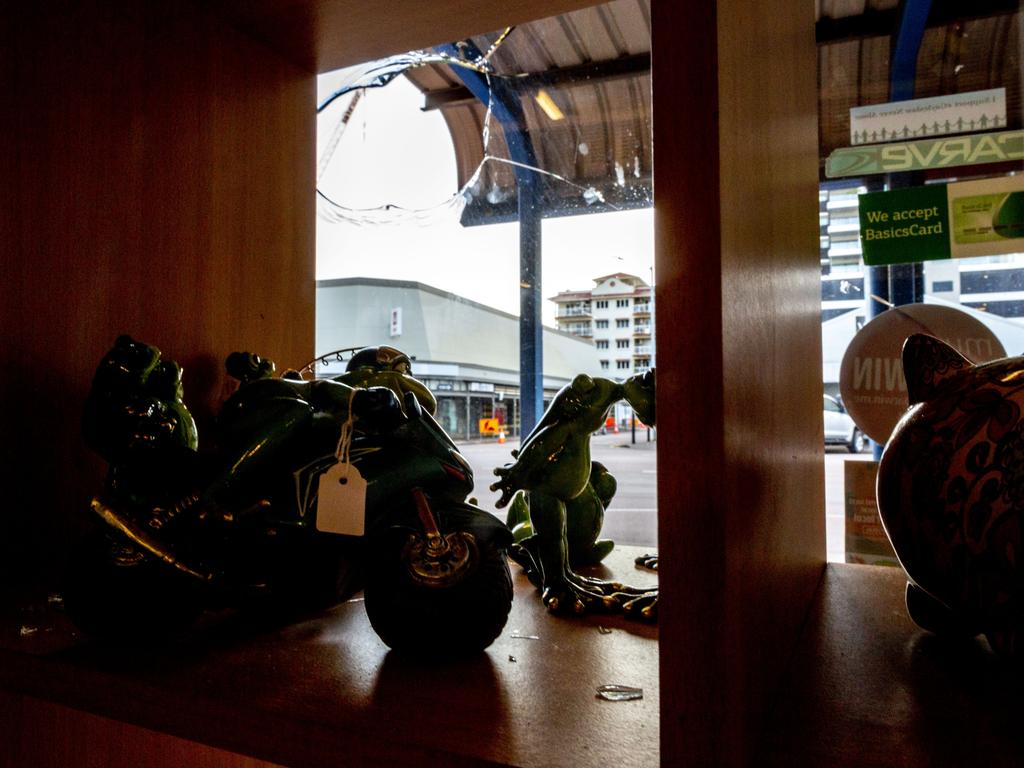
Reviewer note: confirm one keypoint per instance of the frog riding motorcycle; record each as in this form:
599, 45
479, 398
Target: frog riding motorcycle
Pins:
313, 490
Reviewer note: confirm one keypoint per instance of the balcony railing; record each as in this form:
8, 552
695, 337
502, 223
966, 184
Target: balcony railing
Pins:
643, 351
641, 309
573, 312
642, 330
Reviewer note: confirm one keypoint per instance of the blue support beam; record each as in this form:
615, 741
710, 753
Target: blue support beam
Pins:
905, 280
901, 283
507, 110
906, 47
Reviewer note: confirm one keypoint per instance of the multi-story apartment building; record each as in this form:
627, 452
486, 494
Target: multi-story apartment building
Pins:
618, 315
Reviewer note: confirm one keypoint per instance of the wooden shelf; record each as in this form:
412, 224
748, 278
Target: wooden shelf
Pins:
868, 688
326, 688
865, 687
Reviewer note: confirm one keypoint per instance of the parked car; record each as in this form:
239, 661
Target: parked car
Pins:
839, 427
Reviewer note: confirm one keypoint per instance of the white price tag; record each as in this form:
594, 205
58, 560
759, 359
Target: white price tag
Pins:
341, 501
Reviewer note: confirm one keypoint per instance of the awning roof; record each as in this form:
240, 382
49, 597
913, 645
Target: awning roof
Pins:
966, 47
594, 64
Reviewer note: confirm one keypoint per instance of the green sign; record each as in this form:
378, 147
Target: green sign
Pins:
981, 217
905, 225
952, 152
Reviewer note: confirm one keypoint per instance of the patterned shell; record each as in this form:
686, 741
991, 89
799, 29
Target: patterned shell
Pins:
951, 484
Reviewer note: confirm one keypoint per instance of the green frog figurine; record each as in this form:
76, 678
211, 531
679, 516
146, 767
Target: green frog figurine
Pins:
556, 491
584, 519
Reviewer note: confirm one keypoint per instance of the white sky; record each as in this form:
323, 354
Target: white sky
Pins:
393, 152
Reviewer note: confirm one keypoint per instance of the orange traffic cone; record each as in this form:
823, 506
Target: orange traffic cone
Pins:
501, 437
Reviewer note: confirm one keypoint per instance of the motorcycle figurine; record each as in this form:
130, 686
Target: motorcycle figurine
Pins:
313, 490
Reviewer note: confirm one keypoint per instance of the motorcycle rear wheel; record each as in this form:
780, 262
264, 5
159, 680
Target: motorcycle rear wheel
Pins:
118, 594
436, 621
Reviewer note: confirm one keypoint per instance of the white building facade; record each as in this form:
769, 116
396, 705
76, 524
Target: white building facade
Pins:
617, 314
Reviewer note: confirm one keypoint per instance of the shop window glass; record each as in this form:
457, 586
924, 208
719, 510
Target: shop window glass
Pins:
961, 87
431, 164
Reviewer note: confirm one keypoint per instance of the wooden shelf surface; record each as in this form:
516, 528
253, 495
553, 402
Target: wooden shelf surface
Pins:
326, 689
865, 688
868, 688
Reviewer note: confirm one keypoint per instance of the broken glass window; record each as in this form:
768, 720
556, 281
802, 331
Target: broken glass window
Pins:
518, 108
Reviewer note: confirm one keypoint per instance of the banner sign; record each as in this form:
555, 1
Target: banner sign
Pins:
871, 380
866, 542
953, 152
942, 221
935, 116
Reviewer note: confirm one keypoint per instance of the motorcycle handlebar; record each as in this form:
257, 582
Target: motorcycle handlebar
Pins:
413, 409
378, 408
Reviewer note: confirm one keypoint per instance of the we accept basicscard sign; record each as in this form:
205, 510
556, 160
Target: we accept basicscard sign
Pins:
942, 221
904, 225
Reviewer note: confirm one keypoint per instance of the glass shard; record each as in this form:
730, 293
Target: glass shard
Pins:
619, 693
520, 636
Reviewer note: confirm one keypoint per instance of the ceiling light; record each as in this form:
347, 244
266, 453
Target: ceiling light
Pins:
545, 102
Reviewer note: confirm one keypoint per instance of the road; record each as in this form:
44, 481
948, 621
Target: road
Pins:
632, 517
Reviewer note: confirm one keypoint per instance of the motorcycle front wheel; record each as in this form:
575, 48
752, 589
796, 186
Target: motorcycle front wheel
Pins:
454, 613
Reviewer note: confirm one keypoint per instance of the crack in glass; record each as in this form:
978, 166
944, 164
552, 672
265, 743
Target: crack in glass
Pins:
380, 73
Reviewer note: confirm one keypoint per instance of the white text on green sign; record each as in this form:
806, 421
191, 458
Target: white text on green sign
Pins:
904, 225
981, 217
953, 152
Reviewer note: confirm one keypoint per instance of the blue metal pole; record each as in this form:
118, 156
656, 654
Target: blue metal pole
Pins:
531, 337
901, 280
898, 284
902, 77
906, 47
507, 109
